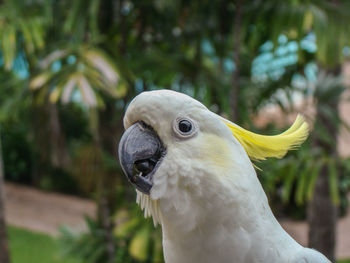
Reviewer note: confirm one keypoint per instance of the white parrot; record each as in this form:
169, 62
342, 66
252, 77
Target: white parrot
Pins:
193, 173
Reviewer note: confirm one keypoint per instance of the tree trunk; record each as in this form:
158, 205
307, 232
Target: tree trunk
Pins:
107, 224
104, 189
4, 253
234, 96
59, 153
321, 211
322, 218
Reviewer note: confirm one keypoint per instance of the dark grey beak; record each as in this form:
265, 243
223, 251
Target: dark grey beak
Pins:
140, 152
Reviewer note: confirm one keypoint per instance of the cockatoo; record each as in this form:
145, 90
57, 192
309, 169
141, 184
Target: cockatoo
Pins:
193, 174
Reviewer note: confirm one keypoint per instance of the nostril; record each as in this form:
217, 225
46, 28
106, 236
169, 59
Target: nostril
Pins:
144, 166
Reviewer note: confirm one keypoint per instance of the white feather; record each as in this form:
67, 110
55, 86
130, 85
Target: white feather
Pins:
206, 194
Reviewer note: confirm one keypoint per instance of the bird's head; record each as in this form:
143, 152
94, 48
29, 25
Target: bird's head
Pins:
173, 145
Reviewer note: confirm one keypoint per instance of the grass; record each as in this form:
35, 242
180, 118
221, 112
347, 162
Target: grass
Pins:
32, 247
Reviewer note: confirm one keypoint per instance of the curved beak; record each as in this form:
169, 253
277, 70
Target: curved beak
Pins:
140, 151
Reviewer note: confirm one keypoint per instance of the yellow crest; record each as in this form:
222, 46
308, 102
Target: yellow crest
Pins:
260, 147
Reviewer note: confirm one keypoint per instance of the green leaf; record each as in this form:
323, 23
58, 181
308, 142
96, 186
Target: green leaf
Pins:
126, 228
313, 178
55, 95
40, 80
333, 182
101, 62
28, 40
8, 41
289, 181
157, 249
93, 18
302, 185
139, 245
37, 33
308, 21
73, 14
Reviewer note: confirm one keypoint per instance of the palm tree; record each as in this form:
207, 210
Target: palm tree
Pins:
22, 27
15, 19
75, 67
296, 20
323, 207
4, 253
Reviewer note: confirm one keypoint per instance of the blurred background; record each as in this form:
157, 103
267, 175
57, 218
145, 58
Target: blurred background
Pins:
68, 70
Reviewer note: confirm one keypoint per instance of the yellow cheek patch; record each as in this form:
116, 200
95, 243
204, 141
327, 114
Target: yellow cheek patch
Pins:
215, 150
260, 147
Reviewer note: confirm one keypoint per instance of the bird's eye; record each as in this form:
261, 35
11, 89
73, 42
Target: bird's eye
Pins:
184, 127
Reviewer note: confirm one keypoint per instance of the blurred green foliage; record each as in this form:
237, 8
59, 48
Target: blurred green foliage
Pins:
69, 69
135, 238
293, 178
31, 247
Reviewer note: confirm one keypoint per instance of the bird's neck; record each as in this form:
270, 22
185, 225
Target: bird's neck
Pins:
218, 199
229, 220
